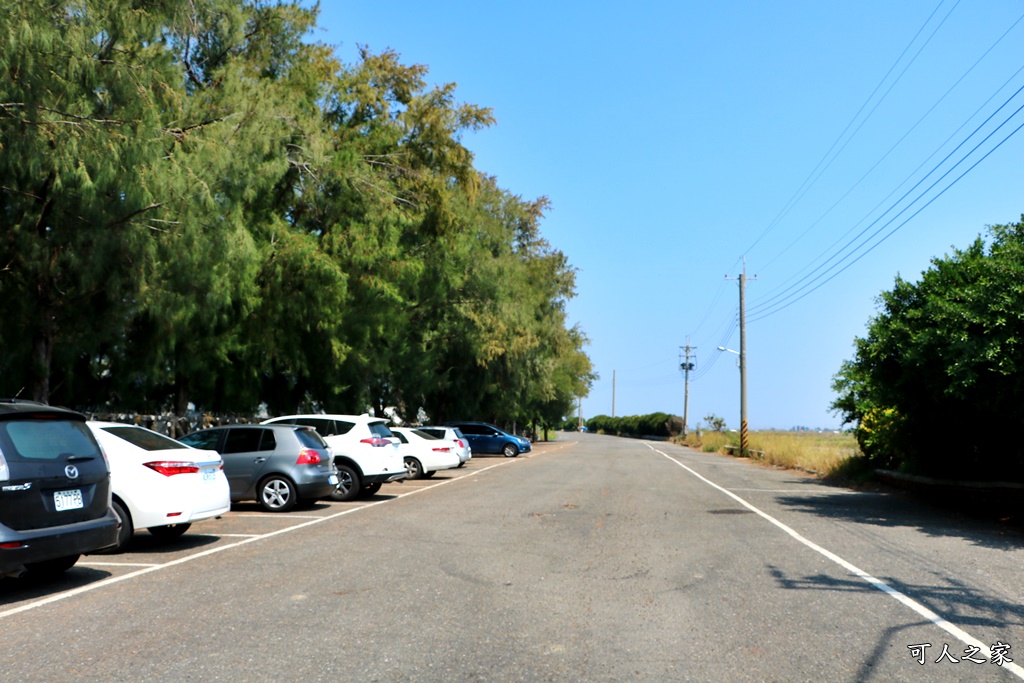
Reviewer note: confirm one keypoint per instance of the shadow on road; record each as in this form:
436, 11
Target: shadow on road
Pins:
904, 510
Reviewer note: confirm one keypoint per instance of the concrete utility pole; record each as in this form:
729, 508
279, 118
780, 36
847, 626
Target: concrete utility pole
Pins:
613, 393
743, 359
686, 366
743, 362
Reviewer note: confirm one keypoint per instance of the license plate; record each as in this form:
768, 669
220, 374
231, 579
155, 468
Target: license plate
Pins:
68, 500
209, 473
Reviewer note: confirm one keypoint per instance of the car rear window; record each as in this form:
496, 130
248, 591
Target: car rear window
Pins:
322, 425
400, 436
46, 439
380, 429
144, 439
310, 438
426, 435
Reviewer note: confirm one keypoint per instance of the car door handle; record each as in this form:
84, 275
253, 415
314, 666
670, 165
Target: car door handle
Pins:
259, 460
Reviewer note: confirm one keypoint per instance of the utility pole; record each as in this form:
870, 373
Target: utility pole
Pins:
613, 393
743, 362
686, 366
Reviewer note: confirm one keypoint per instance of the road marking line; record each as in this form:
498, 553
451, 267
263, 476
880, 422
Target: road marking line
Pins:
235, 535
147, 569
120, 564
923, 611
803, 491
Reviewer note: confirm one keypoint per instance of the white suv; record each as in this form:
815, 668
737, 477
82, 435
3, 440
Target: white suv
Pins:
364, 450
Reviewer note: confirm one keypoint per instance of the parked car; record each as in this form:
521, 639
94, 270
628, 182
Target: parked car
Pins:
486, 438
158, 483
424, 454
278, 466
364, 449
54, 490
452, 434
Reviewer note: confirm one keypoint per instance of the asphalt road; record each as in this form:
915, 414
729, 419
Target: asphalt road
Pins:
591, 559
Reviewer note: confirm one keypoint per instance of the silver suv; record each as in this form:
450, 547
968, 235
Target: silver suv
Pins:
365, 451
54, 490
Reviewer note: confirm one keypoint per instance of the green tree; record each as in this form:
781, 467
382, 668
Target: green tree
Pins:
81, 96
945, 351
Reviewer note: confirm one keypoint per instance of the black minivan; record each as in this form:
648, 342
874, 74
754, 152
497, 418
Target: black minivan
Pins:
54, 490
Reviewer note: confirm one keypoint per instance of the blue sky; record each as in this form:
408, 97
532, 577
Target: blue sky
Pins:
679, 140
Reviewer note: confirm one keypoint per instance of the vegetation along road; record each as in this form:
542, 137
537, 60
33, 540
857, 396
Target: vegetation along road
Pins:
593, 558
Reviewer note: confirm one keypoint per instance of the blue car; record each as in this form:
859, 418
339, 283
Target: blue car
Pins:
486, 438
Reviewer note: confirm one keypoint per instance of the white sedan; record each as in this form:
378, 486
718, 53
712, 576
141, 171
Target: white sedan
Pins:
158, 483
424, 453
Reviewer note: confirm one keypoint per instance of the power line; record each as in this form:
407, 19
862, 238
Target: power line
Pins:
759, 310
909, 218
815, 174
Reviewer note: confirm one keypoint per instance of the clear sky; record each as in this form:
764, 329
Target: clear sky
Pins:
678, 140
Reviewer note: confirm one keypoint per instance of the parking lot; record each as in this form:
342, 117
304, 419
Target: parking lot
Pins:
244, 524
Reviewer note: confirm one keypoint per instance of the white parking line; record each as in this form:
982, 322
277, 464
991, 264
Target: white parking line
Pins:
236, 535
923, 611
147, 569
802, 491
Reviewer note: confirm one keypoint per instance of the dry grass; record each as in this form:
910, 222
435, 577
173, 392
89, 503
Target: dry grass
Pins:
823, 453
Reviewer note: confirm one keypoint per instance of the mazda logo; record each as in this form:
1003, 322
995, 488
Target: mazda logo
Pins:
71, 471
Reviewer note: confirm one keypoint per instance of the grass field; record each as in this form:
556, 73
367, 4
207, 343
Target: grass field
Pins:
824, 453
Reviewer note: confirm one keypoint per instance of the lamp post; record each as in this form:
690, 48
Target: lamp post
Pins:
743, 395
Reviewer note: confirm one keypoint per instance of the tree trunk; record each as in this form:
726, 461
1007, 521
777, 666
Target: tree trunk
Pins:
42, 356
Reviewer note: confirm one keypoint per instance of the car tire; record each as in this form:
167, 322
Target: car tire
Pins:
125, 533
509, 450
277, 493
348, 484
169, 532
371, 489
50, 569
413, 468
428, 475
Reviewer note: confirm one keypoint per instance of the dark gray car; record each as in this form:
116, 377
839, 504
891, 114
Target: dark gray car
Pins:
54, 490
278, 466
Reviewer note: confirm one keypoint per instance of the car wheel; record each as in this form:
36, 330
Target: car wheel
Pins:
276, 493
348, 484
371, 489
509, 450
413, 468
169, 532
125, 533
50, 569
428, 475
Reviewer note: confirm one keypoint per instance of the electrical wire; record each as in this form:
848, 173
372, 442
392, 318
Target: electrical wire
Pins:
761, 310
815, 173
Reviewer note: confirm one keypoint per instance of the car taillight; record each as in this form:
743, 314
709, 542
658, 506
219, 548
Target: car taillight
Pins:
5, 471
169, 468
441, 449
307, 456
376, 441
459, 441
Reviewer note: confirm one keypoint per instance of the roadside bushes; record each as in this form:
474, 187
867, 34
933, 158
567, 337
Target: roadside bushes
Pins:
653, 424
